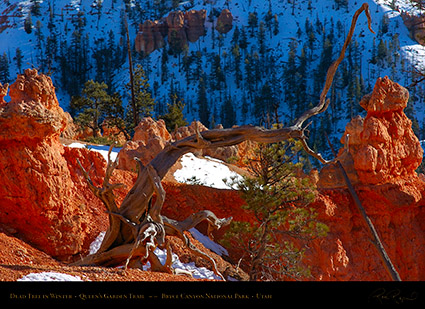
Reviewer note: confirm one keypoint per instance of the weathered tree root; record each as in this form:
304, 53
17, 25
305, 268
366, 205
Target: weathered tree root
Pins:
137, 226
151, 231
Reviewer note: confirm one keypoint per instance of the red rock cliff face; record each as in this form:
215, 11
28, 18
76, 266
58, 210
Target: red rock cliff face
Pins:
380, 156
41, 198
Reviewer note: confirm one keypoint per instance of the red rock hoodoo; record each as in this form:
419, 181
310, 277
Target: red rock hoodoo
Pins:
224, 21
177, 27
380, 156
39, 199
150, 137
149, 37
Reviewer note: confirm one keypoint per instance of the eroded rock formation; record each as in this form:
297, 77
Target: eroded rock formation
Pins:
45, 200
149, 37
195, 21
177, 28
381, 148
416, 26
380, 157
3, 92
150, 137
39, 199
224, 21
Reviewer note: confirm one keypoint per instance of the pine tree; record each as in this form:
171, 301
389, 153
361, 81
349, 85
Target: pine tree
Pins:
249, 76
174, 117
143, 98
326, 59
91, 105
237, 65
252, 22
243, 39
262, 39
202, 102
36, 8
301, 97
104, 56
235, 36
28, 23
51, 50
228, 113
73, 59
311, 38
164, 65
382, 53
39, 45
275, 25
265, 105
384, 25
176, 44
218, 78
4, 69
341, 4
113, 114
289, 78
19, 58
278, 201
268, 20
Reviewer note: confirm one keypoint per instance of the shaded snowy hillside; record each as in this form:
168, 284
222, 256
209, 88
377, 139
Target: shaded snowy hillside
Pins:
270, 65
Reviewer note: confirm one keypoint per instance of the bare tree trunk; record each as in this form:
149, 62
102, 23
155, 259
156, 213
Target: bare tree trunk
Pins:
257, 259
137, 226
389, 266
130, 65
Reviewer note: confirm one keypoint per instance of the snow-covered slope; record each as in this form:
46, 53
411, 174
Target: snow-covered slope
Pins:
314, 30
103, 150
205, 171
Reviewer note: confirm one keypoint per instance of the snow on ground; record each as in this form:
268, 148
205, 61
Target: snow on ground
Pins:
197, 272
49, 276
204, 171
102, 149
95, 245
208, 243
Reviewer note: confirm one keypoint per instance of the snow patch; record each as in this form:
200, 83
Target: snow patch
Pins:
102, 149
95, 245
49, 276
204, 171
208, 243
197, 272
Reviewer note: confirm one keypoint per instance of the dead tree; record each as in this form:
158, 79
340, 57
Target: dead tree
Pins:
137, 227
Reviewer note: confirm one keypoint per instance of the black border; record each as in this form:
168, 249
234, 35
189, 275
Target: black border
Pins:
200, 292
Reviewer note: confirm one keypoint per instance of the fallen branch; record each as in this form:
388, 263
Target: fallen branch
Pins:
376, 240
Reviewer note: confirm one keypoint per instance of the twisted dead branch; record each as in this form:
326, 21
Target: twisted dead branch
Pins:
137, 227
